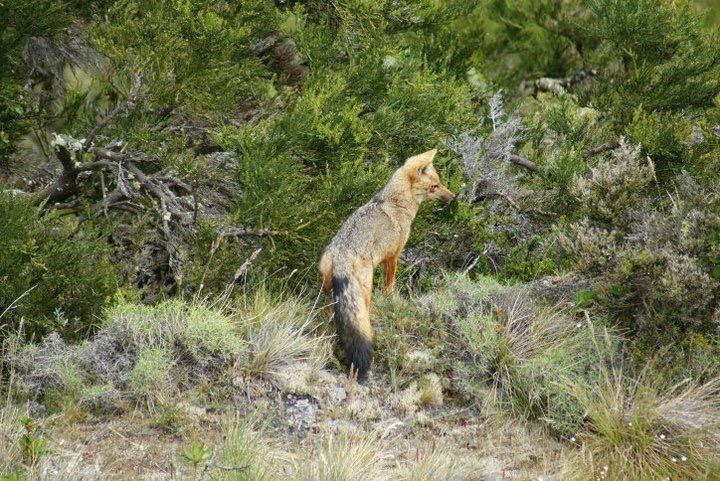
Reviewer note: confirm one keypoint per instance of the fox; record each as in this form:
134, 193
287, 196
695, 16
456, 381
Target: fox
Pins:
375, 233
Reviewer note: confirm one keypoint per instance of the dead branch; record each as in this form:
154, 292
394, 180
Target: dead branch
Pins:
65, 185
612, 145
66, 149
517, 160
128, 104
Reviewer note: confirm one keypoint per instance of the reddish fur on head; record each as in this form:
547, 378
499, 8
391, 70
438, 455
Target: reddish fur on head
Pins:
424, 180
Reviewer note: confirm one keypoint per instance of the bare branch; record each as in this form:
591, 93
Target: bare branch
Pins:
121, 107
612, 145
517, 160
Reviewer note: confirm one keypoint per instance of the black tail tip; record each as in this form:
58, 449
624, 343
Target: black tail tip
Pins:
359, 357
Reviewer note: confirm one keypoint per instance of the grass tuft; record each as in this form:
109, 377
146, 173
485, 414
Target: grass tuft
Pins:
636, 429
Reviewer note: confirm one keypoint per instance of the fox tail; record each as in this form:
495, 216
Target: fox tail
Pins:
352, 317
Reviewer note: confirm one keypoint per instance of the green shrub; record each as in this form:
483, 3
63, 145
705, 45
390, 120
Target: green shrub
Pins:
205, 334
523, 352
665, 59
18, 21
187, 50
51, 277
150, 377
650, 261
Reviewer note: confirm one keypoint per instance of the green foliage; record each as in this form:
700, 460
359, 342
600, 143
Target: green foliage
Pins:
18, 20
514, 40
32, 446
150, 376
51, 277
667, 60
195, 454
204, 50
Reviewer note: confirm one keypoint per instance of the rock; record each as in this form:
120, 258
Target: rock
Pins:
339, 395
301, 414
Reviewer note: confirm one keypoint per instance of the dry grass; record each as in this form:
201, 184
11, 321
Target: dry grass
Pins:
638, 430
345, 457
438, 463
281, 332
10, 432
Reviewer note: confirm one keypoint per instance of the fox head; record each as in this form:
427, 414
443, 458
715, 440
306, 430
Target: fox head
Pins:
424, 180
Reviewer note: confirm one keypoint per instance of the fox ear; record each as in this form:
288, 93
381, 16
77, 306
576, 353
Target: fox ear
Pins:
420, 161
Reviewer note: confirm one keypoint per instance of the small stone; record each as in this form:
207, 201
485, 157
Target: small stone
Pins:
339, 394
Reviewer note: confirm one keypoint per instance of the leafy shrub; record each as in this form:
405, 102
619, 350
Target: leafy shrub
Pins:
650, 261
204, 50
49, 276
667, 61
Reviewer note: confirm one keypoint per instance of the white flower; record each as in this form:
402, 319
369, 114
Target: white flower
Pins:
673, 459
662, 436
578, 325
683, 458
167, 216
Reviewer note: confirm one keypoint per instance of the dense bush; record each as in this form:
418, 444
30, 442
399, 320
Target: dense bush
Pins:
51, 276
652, 263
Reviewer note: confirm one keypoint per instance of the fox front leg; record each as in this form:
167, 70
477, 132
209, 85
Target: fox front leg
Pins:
389, 266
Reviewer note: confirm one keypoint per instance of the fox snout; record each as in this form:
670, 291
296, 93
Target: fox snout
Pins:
441, 193
446, 196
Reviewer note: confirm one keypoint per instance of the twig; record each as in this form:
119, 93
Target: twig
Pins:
14, 303
517, 160
122, 106
242, 270
472, 264
612, 145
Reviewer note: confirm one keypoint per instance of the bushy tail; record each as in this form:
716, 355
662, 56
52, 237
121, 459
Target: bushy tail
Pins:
351, 317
